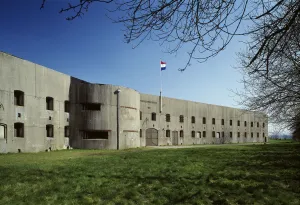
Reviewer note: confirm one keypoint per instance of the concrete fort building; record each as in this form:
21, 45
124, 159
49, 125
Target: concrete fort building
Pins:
42, 109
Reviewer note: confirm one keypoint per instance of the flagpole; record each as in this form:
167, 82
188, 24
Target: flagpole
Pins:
160, 88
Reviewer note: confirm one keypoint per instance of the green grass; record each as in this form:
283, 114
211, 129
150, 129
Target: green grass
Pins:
252, 174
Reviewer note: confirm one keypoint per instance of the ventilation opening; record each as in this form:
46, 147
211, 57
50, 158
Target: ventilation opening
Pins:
49, 103
19, 97
91, 106
19, 129
95, 134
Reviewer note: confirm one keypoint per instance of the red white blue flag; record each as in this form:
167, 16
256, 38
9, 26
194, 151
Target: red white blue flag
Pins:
163, 65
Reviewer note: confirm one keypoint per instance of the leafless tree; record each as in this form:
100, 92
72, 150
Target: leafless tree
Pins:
205, 27
277, 91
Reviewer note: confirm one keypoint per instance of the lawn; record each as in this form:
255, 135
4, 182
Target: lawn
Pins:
229, 174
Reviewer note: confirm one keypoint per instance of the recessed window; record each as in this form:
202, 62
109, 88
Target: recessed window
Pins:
50, 130
222, 122
238, 134
257, 124
245, 123
19, 129
251, 134
67, 106
141, 133
263, 134
95, 134
91, 106
181, 133
19, 97
204, 133
258, 134
193, 134
67, 131
213, 134
223, 134
263, 124
213, 121
245, 134
168, 133
193, 119
203, 121
251, 124
230, 134
230, 122
141, 115
49, 103
181, 118
238, 123
153, 116
168, 118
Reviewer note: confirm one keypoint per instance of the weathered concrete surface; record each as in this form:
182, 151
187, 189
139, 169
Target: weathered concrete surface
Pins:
38, 82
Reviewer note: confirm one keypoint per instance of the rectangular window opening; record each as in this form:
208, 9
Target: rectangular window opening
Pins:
181, 133
222, 122
141, 133
168, 118
204, 133
204, 121
67, 106
181, 118
245, 123
19, 129
193, 119
50, 130
153, 116
213, 121
230, 122
95, 134
230, 134
19, 97
91, 106
168, 133
67, 131
238, 123
193, 134
49, 103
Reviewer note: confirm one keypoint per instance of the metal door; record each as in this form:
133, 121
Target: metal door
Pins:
175, 138
151, 137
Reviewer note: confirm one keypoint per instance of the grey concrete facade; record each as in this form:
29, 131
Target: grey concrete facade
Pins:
42, 109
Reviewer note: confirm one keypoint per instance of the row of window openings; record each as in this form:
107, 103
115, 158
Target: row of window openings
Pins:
19, 130
193, 134
193, 119
19, 101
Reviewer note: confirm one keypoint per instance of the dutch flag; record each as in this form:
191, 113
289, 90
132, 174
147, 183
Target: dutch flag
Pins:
163, 65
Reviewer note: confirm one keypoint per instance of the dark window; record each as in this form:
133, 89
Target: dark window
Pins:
263, 134
257, 124
168, 118
213, 121
19, 129
238, 123
230, 134
263, 124
181, 133
193, 133
181, 118
91, 106
245, 134
230, 122
153, 116
257, 134
223, 134
67, 106
141, 133
204, 133
251, 124
49, 103
168, 133
252, 134
94, 134
245, 123
238, 134
213, 134
50, 131
19, 97
222, 122
204, 120
67, 131
193, 119
141, 116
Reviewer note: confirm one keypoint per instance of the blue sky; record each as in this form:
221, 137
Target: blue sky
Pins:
92, 48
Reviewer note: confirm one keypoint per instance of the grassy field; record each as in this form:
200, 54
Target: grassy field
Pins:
252, 174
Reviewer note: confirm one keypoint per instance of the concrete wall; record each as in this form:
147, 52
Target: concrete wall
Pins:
176, 107
38, 82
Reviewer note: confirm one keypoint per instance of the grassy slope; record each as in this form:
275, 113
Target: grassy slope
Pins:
258, 174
